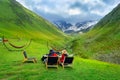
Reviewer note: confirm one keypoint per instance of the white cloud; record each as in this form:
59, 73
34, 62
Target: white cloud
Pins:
93, 2
74, 12
46, 9
97, 12
103, 10
62, 7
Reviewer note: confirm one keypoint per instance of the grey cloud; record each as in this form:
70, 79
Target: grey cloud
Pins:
57, 9
77, 4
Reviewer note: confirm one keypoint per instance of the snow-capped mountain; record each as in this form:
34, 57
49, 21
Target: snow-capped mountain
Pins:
63, 25
77, 27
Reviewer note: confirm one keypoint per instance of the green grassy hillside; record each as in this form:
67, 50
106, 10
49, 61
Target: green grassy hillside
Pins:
17, 21
103, 40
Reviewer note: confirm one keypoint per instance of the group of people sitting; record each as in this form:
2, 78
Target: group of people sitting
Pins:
52, 53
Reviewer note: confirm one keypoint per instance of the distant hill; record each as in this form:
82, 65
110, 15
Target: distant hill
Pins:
103, 41
15, 20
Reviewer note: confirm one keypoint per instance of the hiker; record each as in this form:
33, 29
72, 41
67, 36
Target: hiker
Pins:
64, 54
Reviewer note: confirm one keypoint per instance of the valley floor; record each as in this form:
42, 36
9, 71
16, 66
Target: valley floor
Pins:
82, 70
12, 68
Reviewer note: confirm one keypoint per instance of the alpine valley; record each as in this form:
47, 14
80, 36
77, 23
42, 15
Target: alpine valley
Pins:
95, 53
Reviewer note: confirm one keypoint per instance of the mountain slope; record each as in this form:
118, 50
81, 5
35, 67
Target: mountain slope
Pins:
103, 39
16, 20
108, 30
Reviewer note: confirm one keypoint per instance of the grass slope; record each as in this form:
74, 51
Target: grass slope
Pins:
12, 68
17, 21
103, 39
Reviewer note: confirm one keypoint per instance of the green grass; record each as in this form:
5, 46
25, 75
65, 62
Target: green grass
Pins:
12, 68
82, 70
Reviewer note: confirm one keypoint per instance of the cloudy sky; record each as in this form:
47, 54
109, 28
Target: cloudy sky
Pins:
72, 10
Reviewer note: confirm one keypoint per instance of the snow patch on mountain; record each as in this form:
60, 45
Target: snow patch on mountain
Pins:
82, 25
77, 27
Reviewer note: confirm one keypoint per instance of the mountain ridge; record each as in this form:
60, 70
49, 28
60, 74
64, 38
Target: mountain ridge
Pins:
68, 27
